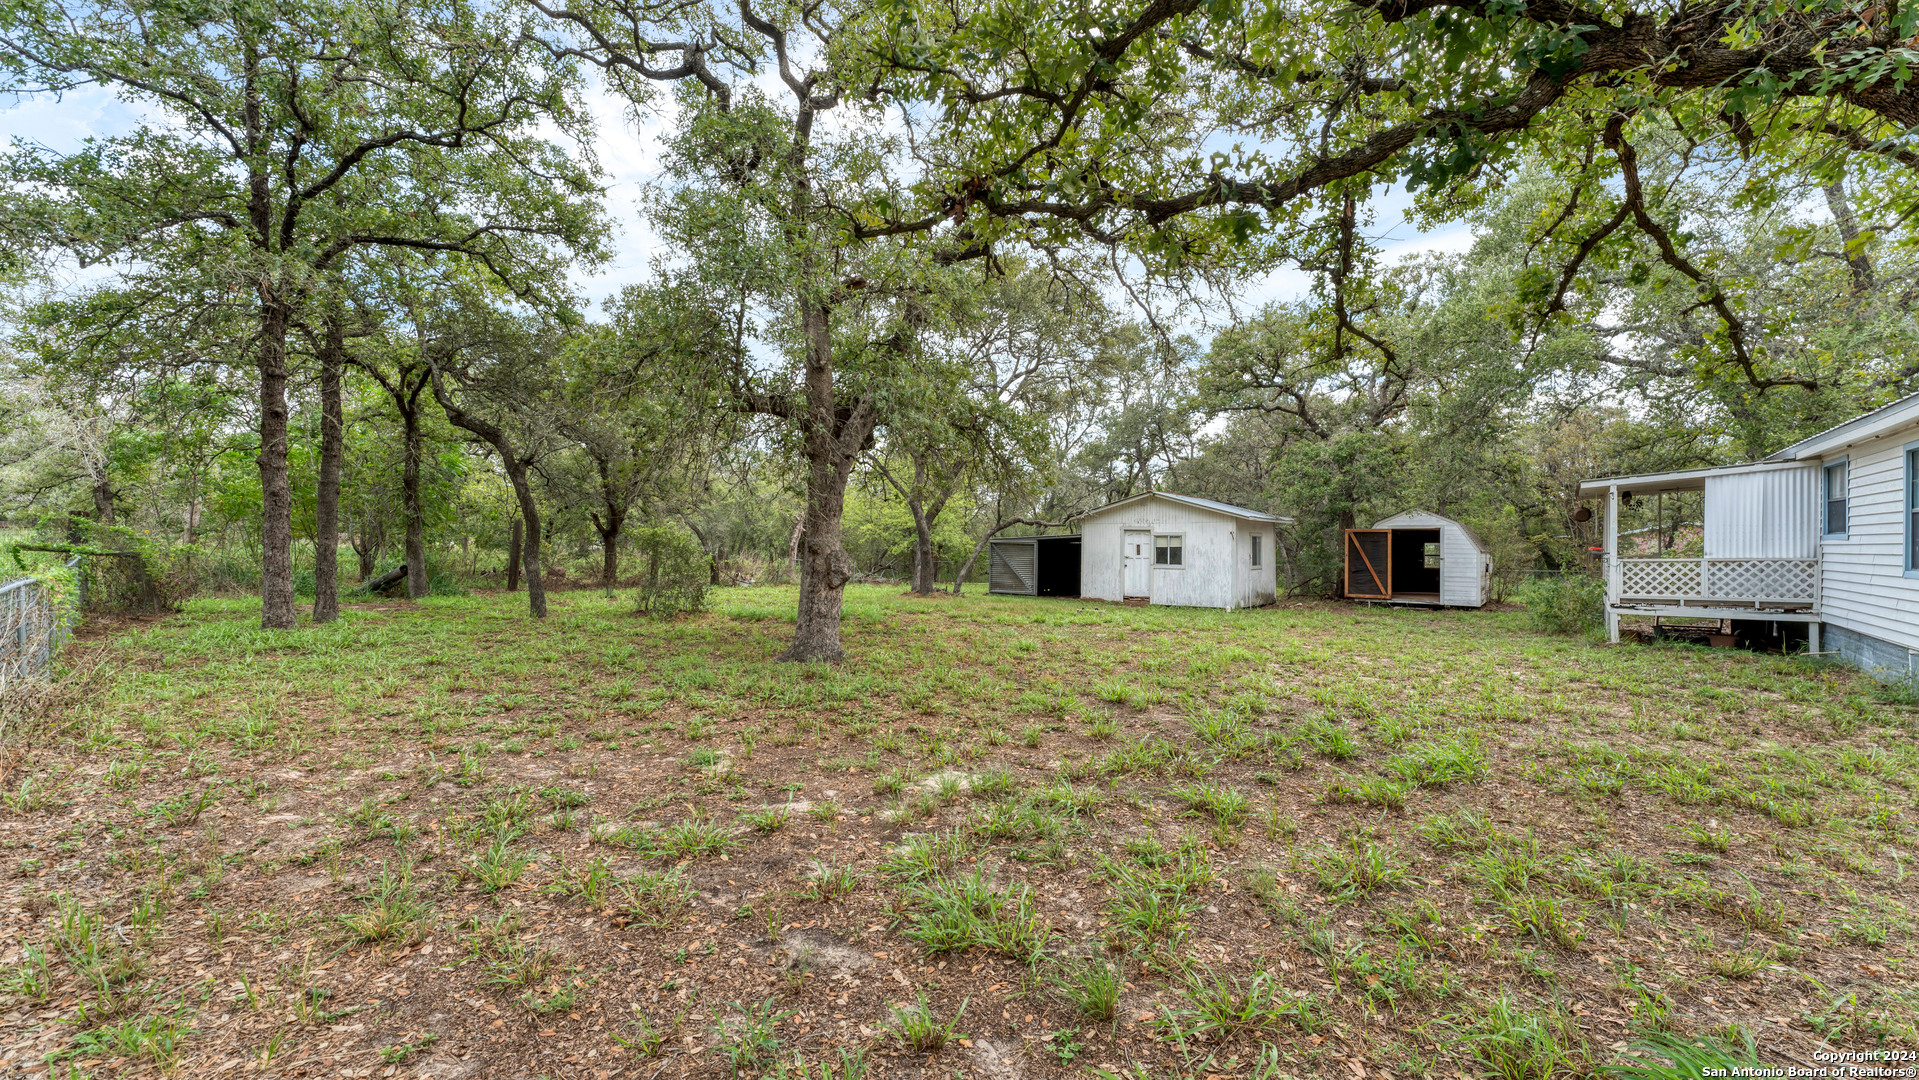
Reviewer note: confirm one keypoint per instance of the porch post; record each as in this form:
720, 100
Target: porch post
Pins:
1614, 576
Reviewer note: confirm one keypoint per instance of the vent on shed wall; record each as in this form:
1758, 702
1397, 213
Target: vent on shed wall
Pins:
1012, 569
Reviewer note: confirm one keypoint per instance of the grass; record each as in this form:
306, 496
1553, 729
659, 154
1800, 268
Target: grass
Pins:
1158, 842
918, 1029
1356, 868
1669, 1057
1092, 986
750, 1038
954, 913
391, 912
1513, 1042
1218, 1004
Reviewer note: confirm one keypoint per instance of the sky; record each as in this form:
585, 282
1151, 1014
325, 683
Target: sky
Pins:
629, 154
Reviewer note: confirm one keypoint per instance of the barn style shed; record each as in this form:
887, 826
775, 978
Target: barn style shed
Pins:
1418, 557
1180, 550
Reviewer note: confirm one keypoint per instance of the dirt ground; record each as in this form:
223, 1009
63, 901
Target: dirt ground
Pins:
1007, 838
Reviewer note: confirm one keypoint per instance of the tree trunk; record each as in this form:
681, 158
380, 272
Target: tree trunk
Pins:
793, 548
925, 568
1849, 235
825, 568
959, 579
415, 518
529, 552
712, 559
366, 545
102, 497
513, 557
609, 528
326, 503
276, 486
495, 437
610, 556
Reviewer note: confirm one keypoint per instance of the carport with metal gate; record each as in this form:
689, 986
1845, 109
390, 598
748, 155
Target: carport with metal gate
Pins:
1034, 566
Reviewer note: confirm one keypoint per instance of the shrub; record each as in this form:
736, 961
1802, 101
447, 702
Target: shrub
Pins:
1566, 603
127, 570
674, 572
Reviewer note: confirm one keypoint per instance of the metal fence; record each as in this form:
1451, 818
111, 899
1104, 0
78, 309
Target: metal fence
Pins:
34, 624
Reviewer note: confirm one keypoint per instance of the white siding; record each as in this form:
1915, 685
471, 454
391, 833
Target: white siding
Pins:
1254, 586
1770, 514
1863, 586
1102, 562
1205, 576
1215, 570
1463, 569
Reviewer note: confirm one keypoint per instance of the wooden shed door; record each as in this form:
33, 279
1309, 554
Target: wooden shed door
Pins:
1139, 563
1369, 568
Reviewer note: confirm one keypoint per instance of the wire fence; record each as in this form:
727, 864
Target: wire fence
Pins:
34, 623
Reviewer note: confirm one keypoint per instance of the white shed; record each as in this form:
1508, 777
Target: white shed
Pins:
1179, 550
1418, 557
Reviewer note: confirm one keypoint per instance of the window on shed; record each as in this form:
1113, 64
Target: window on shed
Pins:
1169, 550
1836, 499
1432, 555
1256, 539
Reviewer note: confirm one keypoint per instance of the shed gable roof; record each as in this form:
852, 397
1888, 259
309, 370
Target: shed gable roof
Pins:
1428, 515
1190, 500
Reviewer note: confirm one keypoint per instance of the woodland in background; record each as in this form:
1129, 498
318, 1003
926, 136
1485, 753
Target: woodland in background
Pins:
923, 281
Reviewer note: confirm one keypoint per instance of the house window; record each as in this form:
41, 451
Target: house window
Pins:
1836, 499
1912, 508
1169, 550
1256, 539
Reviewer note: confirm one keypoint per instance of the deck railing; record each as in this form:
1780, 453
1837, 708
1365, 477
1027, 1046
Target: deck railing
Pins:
1759, 582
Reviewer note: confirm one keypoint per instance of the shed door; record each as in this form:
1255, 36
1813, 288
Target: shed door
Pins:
1369, 563
1139, 563
1013, 567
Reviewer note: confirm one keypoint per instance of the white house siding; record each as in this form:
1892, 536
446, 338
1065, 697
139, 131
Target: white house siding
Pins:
1209, 576
1768, 514
1863, 587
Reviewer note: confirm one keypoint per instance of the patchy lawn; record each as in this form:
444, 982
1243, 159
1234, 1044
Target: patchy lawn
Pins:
1009, 837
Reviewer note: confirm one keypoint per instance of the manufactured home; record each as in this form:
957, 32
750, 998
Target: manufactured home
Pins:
1157, 548
1819, 542
1418, 558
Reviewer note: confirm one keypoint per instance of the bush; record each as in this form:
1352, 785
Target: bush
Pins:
127, 570
674, 571
1566, 603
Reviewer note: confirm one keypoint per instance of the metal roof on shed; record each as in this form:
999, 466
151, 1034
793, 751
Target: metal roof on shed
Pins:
1192, 500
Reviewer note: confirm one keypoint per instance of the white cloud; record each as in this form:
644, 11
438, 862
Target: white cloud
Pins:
65, 122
